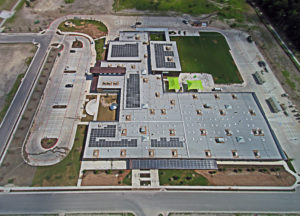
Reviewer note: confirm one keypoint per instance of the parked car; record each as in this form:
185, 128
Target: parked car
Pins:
69, 86
185, 22
261, 64
72, 51
217, 89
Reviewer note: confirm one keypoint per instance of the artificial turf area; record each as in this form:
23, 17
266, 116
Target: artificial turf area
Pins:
210, 54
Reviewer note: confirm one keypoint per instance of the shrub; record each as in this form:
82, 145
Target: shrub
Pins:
175, 177
10, 181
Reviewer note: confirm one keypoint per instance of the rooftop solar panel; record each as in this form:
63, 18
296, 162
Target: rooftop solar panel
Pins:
133, 91
125, 50
160, 56
171, 164
102, 143
163, 142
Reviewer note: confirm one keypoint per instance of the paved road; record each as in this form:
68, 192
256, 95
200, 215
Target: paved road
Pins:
150, 203
15, 110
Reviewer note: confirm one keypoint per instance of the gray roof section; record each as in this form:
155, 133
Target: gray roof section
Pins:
237, 127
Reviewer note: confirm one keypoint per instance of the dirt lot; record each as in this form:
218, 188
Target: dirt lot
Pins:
12, 63
43, 12
102, 178
258, 176
104, 113
14, 170
7, 4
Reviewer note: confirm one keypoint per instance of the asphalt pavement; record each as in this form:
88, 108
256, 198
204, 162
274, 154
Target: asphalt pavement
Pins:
149, 203
9, 122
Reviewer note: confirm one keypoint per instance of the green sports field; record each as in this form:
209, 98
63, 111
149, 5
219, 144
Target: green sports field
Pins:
208, 53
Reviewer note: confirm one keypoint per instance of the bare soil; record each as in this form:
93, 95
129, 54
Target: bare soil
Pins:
103, 179
12, 63
14, 170
46, 11
91, 30
249, 178
8, 4
77, 44
104, 113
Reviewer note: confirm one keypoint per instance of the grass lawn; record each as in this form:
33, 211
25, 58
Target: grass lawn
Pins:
224, 9
127, 179
288, 79
157, 36
69, 1
181, 177
94, 28
99, 44
66, 172
210, 54
79, 22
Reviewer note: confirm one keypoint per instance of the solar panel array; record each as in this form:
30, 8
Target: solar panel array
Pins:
125, 50
108, 131
163, 142
133, 91
172, 164
160, 55
105, 143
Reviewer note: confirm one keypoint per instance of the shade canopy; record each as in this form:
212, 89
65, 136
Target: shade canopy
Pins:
194, 84
173, 83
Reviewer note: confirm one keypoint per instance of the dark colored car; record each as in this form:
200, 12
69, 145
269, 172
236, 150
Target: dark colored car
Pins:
72, 51
261, 64
185, 22
69, 86
138, 23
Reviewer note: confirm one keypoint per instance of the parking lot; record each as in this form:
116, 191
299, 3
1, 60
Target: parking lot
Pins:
60, 107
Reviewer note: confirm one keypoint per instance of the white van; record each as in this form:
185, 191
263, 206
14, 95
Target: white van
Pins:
217, 89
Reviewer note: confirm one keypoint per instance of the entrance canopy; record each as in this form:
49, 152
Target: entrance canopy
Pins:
194, 84
173, 83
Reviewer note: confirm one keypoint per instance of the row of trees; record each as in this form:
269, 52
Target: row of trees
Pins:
286, 15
